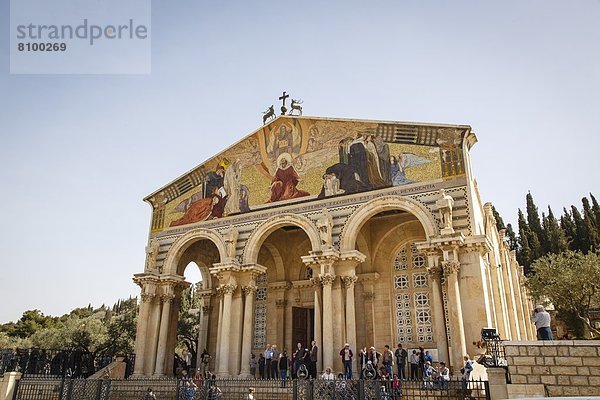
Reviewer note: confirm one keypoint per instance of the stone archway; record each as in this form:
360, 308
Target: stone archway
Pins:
270, 225
362, 214
184, 242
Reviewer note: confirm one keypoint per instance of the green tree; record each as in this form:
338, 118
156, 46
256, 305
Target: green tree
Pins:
581, 240
557, 240
570, 281
31, 322
530, 248
568, 227
513, 242
589, 222
596, 210
189, 320
499, 221
533, 220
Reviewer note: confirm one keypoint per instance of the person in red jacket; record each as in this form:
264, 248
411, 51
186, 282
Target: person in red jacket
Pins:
346, 354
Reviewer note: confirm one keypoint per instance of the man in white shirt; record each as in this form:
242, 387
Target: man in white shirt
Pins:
328, 375
541, 319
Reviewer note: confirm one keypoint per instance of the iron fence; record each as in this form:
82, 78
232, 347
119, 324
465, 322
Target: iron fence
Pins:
58, 363
47, 388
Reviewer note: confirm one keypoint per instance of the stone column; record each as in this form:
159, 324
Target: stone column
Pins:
439, 320
498, 302
225, 330
219, 328
327, 280
204, 322
518, 302
510, 300
140, 335
316, 281
249, 294
152, 339
457, 329
280, 305
165, 321
349, 282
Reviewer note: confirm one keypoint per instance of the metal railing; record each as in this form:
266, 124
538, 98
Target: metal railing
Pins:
58, 363
47, 388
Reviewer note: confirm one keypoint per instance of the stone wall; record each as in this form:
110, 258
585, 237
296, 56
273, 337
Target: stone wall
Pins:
564, 367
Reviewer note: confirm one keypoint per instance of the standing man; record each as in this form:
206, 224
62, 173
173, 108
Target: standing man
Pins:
299, 355
275, 362
204, 360
541, 319
388, 360
346, 354
414, 365
268, 360
314, 352
401, 356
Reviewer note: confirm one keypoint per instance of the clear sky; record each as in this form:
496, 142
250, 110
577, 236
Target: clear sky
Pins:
79, 152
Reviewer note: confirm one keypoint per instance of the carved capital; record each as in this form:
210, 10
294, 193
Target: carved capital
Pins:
349, 281
167, 297
228, 289
435, 273
327, 279
450, 267
147, 297
249, 290
316, 282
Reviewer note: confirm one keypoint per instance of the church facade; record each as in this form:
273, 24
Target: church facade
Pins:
370, 233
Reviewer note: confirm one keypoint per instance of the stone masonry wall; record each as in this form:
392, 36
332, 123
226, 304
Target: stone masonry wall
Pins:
564, 367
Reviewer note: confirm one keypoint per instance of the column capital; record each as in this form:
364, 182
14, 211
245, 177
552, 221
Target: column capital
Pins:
450, 267
147, 297
327, 279
227, 289
249, 290
349, 280
315, 282
167, 297
435, 273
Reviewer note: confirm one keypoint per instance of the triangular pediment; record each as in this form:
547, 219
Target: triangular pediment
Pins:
293, 159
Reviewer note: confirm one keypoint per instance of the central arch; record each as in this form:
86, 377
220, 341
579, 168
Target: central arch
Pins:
375, 206
272, 224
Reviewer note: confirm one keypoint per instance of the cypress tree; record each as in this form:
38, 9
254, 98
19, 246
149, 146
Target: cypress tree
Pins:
581, 240
529, 244
557, 240
499, 221
596, 210
513, 243
568, 227
589, 222
533, 220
